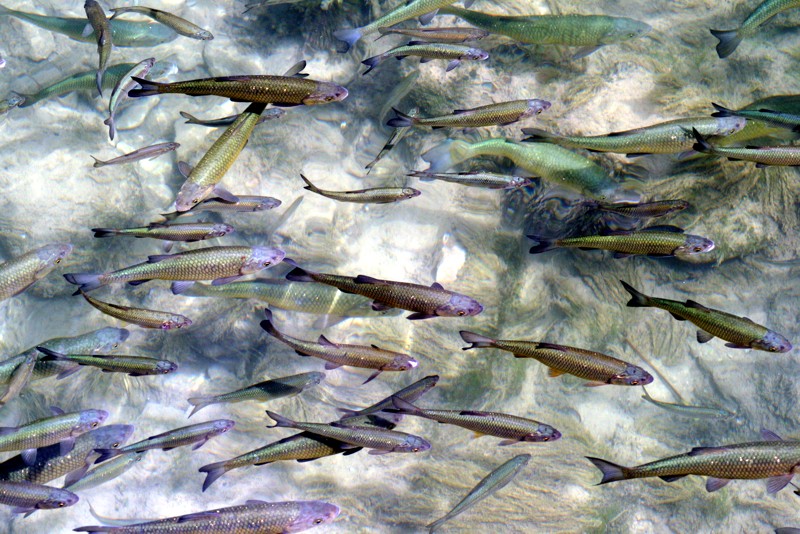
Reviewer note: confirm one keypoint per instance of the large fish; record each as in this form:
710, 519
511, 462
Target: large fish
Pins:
143, 317
599, 369
730, 39
739, 332
27, 497
21, 272
502, 113
774, 458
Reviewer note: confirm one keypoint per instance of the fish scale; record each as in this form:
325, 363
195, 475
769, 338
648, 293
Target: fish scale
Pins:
50, 430
27, 495
22, 271
140, 316
644, 242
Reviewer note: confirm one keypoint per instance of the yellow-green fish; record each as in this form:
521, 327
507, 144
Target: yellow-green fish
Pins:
102, 30
186, 232
60, 428
438, 35
502, 113
81, 81
195, 435
140, 316
174, 22
111, 363
21, 272
375, 195
730, 39
761, 156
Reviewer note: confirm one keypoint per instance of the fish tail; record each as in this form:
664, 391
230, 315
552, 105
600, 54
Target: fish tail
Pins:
540, 136
148, 88
86, 281
199, 403
433, 527
543, 244
722, 111
97, 162
299, 275
50, 355
213, 472
269, 327
401, 120
728, 41
105, 232
112, 128
638, 300
405, 407
477, 341
372, 62
611, 472
190, 119
106, 454
309, 185
280, 421
348, 37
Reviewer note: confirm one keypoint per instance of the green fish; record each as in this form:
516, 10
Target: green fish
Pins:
27, 497
779, 103
590, 32
102, 29
173, 22
739, 332
263, 391
503, 113
430, 51
687, 410
491, 483
21, 272
81, 81
656, 241
105, 472
599, 369
376, 195
123, 32
761, 156
550, 162
730, 39
143, 317
111, 363
773, 458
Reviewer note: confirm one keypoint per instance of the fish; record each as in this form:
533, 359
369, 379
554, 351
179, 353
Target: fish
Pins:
246, 203
438, 35
123, 33
112, 363
424, 9
430, 51
186, 232
80, 81
102, 31
773, 458
264, 89
514, 429
599, 369
487, 180
397, 135
19, 379
173, 22
27, 497
152, 152
376, 415
490, 484
670, 137
655, 241
21, 272
143, 317
778, 118
105, 472
221, 264
552, 163
267, 115
729, 39
761, 156
209, 171
267, 517
267, 390
61, 428
503, 113
379, 440
120, 92
196, 435
739, 332
10, 102
641, 210
339, 354
425, 302
377, 195
51, 462
686, 410
588, 32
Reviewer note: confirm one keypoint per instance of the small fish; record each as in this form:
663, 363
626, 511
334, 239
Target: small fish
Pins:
376, 415
143, 317
438, 35
245, 204
102, 30
152, 152
761, 156
26, 497
221, 264
730, 39
773, 458
112, 363
778, 118
266, 517
379, 440
397, 135
514, 429
12, 101
267, 115
599, 369
120, 92
425, 302
655, 241
81, 81
173, 22
21, 272
430, 51
19, 379
263, 391
642, 210
686, 410
487, 180
187, 232
503, 113
739, 332
196, 435
490, 484
377, 195
339, 354
106, 471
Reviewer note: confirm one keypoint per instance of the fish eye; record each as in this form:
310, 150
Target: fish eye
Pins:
539, 111
165, 371
317, 521
221, 234
115, 345
773, 349
415, 449
94, 424
634, 382
545, 438
698, 249
267, 263
58, 260
195, 200
61, 504
115, 445
461, 313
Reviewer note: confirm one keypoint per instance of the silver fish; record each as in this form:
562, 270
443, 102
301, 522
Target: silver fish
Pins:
152, 152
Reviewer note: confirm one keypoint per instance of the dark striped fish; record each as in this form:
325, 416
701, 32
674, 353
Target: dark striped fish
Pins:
112, 363
761, 156
102, 30
143, 317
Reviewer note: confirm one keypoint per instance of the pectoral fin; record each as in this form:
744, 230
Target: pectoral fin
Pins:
714, 484
775, 484
703, 336
427, 17
553, 373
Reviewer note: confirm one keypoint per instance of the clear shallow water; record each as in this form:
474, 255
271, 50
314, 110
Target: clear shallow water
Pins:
471, 241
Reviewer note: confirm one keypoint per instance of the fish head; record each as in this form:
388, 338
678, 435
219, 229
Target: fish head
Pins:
476, 54
220, 230
410, 192
535, 107
729, 125
694, 244
51, 255
203, 35
772, 342
267, 203
401, 362
459, 306
111, 436
325, 93
518, 181
165, 367
88, 420
624, 29
632, 376
543, 433
175, 322
315, 378
109, 338
14, 100
312, 514
190, 195
261, 258
58, 498
221, 426
412, 444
